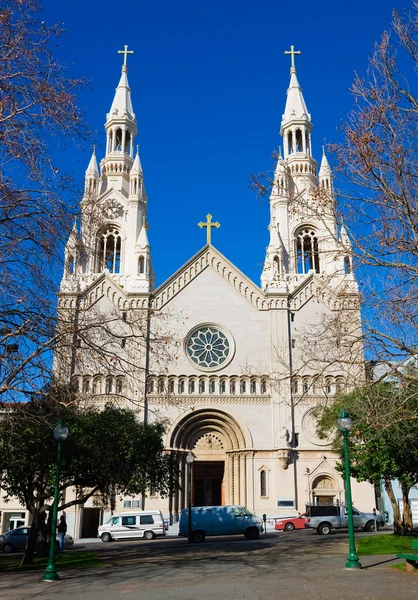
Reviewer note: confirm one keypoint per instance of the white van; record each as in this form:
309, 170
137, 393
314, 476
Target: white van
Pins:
133, 525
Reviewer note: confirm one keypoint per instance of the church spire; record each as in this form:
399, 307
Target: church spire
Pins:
296, 124
325, 173
121, 121
92, 175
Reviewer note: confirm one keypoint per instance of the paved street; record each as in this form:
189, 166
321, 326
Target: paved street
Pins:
296, 566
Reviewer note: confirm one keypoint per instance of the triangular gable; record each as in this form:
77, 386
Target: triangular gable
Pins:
315, 287
105, 286
117, 194
209, 257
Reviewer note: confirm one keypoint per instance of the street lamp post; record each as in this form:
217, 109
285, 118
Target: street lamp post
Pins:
60, 435
189, 461
345, 424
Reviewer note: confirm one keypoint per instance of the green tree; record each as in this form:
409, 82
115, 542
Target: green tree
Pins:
383, 439
107, 453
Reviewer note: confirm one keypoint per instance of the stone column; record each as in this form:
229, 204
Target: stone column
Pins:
231, 476
243, 480
238, 478
177, 487
183, 481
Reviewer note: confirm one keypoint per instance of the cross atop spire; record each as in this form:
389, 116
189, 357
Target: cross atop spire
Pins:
292, 52
125, 52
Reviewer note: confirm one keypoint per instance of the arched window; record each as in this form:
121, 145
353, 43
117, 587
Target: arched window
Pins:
97, 385
339, 384
127, 142
253, 386
305, 385
307, 254
118, 140
109, 244
263, 484
86, 385
161, 386
201, 387
243, 387
212, 386
141, 265
347, 265
150, 386
328, 385
263, 387
109, 385
71, 265
299, 144
119, 385
181, 386
295, 386
232, 387
222, 387
171, 386
290, 142
192, 387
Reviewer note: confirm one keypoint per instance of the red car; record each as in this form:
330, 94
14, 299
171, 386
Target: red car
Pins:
290, 523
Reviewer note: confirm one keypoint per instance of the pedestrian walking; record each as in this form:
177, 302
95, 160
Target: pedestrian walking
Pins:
62, 530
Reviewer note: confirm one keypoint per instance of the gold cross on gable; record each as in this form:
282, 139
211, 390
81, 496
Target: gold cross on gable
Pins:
209, 226
292, 52
125, 52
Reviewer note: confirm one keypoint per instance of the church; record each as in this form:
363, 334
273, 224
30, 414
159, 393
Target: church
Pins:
233, 369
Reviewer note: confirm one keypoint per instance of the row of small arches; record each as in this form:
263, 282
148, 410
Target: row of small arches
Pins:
303, 168
316, 385
99, 384
207, 385
115, 168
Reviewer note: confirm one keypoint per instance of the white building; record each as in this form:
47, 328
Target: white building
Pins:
247, 364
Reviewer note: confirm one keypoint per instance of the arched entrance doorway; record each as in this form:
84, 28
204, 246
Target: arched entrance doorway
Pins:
325, 490
220, 467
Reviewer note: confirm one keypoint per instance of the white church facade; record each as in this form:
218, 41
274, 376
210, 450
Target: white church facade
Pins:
246, 365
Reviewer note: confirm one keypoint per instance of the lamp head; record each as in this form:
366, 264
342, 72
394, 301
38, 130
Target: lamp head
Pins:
189, 458
60, 433
345, 422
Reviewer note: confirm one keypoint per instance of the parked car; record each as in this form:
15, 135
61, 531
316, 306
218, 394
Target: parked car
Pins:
290, 523
325, 518
129, 526
220, 520
15, 540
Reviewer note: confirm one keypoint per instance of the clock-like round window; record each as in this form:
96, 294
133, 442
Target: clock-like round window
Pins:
209, 347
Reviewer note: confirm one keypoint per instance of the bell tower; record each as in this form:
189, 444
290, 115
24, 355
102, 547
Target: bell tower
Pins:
303, 228
113, 237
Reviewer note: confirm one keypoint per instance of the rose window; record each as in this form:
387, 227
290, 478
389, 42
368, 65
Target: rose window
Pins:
208, 347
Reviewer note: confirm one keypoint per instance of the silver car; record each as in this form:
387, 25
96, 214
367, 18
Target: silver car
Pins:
15, 540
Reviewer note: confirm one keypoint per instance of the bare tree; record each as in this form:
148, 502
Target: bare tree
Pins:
378, 165
38, 112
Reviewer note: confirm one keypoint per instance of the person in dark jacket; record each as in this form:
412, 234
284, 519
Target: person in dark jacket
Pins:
62, 530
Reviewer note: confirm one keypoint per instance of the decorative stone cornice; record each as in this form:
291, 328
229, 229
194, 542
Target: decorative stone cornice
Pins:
213, 399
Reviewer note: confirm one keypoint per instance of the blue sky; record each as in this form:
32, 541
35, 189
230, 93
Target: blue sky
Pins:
209, 86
